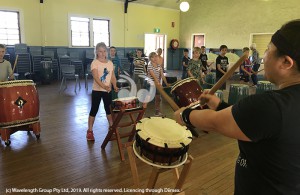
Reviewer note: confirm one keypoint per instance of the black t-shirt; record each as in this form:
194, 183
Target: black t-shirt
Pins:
203, 58
223, 61
186, 60
270, 164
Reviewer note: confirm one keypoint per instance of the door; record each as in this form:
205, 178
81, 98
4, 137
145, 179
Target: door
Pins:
153, 42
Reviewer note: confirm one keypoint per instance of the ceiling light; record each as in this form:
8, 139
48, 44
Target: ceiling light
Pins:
184, 6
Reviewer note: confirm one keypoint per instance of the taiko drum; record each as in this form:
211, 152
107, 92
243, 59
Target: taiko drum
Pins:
186, 91
19, 103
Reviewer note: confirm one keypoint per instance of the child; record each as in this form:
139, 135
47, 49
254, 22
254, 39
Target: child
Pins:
139, 66
203, 58
246, 67
185, 62
160, 59
103, 75
221, 65
194, 68
155, 73
5, 66
116, 61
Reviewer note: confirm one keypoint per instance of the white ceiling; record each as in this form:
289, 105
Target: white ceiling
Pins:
171, 4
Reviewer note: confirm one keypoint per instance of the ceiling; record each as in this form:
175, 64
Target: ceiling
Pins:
171, 4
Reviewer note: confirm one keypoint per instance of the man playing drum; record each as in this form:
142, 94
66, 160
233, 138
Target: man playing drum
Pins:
5, 66
269, 159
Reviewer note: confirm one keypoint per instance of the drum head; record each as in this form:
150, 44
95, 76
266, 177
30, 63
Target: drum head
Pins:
160, 132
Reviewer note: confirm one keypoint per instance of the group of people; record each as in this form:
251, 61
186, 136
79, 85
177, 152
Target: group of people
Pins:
265, 125
111, 68
198, 66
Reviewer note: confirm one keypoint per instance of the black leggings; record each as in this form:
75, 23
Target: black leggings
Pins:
96, 99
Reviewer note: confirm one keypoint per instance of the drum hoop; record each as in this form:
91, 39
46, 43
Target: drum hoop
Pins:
239, 85
264, 82
19, 123
148, 161
186, 136
181, 82
15, 83
125, 99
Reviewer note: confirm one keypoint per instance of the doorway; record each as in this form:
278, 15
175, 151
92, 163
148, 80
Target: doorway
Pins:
155, 41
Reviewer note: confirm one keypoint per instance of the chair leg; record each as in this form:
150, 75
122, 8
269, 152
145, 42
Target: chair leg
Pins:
76, 84
62, 81
85, 82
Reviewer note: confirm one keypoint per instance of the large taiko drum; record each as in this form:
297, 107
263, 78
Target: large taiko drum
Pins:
19, 103
161, 142
127, 103
237, 92
210, 80
186, 91
263, 86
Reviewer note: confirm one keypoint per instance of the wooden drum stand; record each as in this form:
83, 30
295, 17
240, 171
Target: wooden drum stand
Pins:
179, 178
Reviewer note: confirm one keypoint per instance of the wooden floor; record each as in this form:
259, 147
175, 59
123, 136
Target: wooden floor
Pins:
62, 158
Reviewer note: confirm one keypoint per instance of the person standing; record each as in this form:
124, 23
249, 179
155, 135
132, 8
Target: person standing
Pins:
139, 67
269, 158
118, 68
203, 57
194, 68
185, 63
255, 62
5, 66
103, 77
221, 64
155, 74
160, 59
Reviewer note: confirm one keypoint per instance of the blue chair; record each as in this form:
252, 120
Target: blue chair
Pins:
68, 72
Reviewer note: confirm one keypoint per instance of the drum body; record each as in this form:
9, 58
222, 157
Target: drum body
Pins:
162, 140
210, 80
219, 94
237, 92
46, 71
125, 103
19, 103
263, 86
186, 91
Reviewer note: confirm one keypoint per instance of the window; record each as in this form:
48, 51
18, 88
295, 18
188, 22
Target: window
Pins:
9, 27
87, 32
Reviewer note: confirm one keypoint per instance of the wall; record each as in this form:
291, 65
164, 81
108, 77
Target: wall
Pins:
232, 22
46, 24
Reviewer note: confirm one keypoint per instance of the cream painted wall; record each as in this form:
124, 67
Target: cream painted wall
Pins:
232, 22
46, 24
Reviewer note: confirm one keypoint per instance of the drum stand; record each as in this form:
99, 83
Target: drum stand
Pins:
179, 178
6, 132
114, 134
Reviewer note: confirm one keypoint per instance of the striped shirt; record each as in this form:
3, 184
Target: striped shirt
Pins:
139, 64
157, 71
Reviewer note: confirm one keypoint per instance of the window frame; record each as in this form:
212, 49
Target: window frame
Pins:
91, 32
20, 23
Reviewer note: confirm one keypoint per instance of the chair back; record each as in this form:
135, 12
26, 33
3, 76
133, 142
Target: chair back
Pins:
67, 70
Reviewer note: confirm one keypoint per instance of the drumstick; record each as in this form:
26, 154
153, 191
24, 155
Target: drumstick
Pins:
15, 64
171, 102
260, 70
